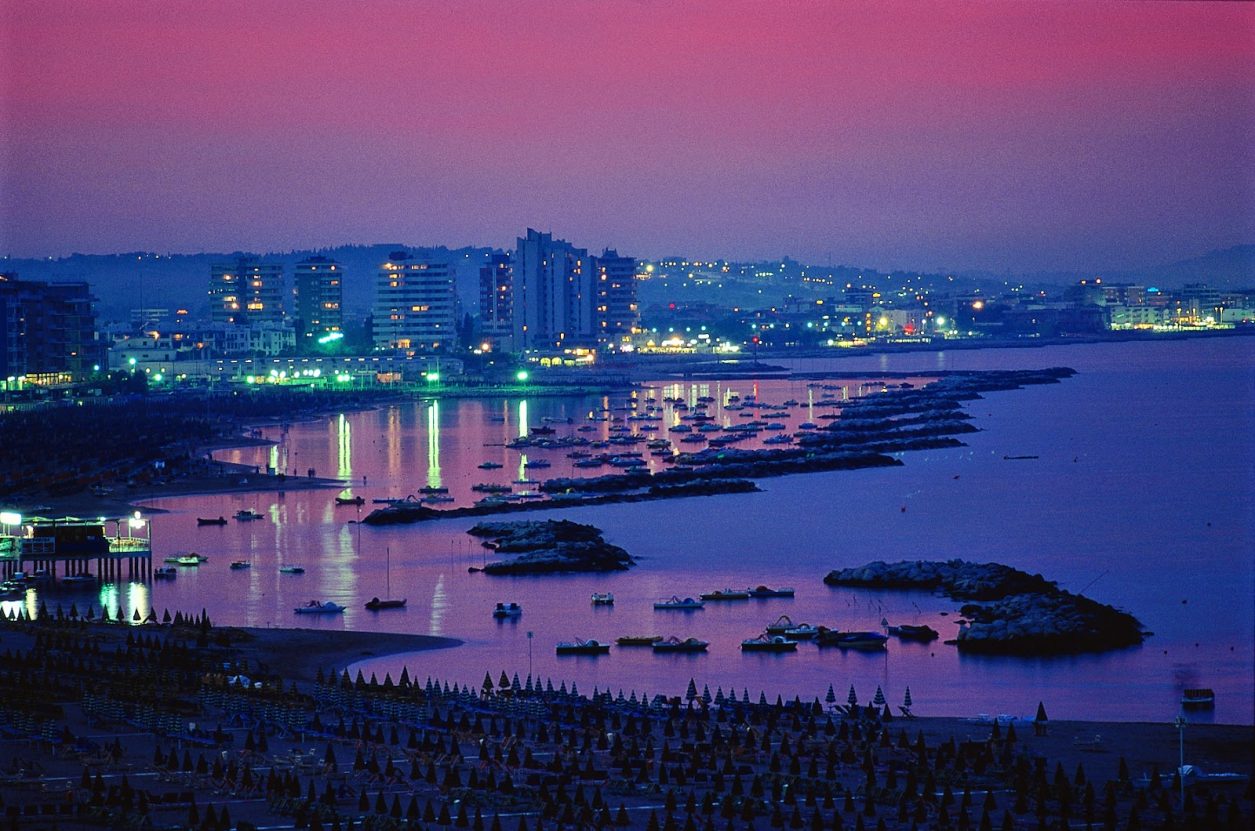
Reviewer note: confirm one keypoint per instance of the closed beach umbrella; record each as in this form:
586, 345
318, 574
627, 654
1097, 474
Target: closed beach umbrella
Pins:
831, 697
906, 699
691, 693
852, 698
879, 699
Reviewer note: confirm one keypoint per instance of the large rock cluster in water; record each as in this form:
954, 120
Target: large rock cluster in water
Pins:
1014, 613
549, 547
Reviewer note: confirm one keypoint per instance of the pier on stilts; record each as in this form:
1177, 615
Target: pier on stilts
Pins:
52, 549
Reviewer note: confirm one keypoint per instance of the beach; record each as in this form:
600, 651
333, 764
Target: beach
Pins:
192, 725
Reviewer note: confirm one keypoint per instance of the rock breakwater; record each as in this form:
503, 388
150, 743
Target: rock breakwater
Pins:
1012, 612
550, 547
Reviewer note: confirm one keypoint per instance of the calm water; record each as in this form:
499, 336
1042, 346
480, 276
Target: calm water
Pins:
1141, 497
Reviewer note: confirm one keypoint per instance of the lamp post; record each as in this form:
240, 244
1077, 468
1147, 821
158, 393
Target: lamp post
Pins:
530, 633
1180, 724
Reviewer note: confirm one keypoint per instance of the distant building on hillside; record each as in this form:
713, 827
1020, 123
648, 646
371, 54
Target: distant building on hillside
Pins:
47, 331
415, 305
496, 301
318, 299
246, 291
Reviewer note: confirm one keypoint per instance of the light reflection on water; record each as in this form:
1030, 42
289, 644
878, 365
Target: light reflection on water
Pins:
1129, 494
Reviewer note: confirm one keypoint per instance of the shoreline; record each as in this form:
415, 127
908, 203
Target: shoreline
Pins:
190, 720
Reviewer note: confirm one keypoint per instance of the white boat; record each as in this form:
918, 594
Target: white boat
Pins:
319, 607
582, 647
768, 643
801, 632
507, 610
186, 560
603, 599
682, 604
247, 515
1199, 698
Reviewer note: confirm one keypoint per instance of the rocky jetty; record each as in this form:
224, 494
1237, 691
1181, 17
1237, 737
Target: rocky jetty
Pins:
550, 547
1012, 612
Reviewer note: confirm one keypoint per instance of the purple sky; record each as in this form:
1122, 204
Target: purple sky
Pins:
996, 135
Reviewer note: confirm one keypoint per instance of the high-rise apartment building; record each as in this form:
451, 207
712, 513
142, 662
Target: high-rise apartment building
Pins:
318, 297
616, 310
246, 291
554, 294
415, 305
47, 330
496, 301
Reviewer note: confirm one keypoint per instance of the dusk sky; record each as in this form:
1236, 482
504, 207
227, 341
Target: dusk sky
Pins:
998, 135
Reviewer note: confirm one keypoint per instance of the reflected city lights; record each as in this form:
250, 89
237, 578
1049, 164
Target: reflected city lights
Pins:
523, 419
344, 448
433, 445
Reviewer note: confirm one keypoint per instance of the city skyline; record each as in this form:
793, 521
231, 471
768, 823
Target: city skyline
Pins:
956, 137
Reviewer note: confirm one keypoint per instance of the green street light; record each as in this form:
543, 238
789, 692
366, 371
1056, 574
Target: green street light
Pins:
521, 375
433, 377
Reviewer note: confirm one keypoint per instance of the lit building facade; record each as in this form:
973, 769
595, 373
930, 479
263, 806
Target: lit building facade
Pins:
415, 305
246, 291
554, 294
616, 309
47, 331
318, 299
496, 301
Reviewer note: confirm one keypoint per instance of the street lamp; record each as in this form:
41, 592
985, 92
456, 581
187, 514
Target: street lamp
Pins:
530, 633
1180, 724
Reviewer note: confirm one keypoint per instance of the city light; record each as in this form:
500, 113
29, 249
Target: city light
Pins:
521, 375
330, 337
433, 377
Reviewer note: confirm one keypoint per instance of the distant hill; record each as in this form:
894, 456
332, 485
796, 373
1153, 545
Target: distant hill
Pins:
1230, 268
126, 281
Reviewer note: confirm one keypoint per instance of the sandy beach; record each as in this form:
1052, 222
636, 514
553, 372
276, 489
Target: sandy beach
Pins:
149, 727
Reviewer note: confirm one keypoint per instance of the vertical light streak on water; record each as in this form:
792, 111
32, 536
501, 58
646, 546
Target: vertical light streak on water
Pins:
439, 604
523, 419
138, 600
274, 462
433, 445
344, 448
393, 457
109, 599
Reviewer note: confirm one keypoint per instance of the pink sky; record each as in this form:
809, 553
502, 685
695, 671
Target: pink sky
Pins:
997, 135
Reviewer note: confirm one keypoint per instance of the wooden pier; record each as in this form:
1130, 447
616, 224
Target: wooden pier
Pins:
53, 549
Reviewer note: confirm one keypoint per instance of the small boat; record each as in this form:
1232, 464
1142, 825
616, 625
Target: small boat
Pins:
911, 632
686, 604
219, 521
507, 610
431, 490
768, 643
490, 465
165, 573
291, 569
727, 594
438, 498
782, 623
351, 500
674, 644
603, 599
764, 591
247, 515
1198, 698
638, 640
538, 463
489, 487
187, 560
801, 632
78, 580
582, 647
237, 565
375, 604
319, 607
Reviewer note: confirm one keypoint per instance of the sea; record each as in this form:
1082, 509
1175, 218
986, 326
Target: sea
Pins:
1140, 493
